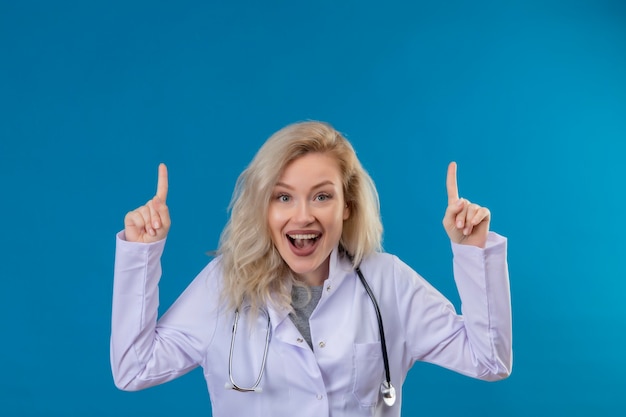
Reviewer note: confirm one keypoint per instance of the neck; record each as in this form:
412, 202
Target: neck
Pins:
312, 280
317, 277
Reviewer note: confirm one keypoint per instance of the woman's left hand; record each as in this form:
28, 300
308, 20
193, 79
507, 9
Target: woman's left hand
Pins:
465, 222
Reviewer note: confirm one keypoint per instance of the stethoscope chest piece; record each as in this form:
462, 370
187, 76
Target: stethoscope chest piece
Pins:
389, 393
387, 390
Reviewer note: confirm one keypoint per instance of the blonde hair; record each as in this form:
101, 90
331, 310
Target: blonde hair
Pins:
253, 269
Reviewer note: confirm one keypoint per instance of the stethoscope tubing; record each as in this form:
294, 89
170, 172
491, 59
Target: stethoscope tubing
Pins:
381, 330
233, 385
387, 389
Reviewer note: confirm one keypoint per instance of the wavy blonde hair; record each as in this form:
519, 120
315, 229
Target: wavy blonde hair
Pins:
253, 269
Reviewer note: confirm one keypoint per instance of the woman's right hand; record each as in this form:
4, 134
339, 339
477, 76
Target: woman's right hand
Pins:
151, 222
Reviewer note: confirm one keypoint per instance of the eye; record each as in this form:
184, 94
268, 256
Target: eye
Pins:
283, 198
322, 197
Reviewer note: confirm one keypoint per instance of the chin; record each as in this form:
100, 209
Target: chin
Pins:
300, 269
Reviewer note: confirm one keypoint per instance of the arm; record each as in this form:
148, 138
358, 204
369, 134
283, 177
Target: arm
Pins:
135, 308
482, 279
476, 343
146, 352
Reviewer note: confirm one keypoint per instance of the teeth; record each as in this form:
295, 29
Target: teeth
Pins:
309, 236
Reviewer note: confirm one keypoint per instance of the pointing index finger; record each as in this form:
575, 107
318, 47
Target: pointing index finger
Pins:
162, 184
451, 185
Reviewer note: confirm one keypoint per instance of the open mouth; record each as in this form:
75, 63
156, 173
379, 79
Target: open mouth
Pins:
302, 241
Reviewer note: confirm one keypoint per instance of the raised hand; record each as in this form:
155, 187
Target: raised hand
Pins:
150, 222
465, 222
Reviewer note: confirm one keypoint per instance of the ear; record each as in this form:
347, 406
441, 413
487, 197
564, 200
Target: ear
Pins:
346, 211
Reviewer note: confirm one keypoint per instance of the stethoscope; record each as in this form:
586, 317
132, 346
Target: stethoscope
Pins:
387, 390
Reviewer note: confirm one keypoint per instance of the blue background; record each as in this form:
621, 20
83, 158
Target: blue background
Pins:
528, 96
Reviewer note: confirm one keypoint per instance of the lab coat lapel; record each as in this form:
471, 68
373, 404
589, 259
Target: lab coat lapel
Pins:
339, 268
282, 327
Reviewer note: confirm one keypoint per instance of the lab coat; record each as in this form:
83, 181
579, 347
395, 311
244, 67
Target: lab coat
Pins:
341, 375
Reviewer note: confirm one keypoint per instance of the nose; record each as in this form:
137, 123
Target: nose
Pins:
303, 214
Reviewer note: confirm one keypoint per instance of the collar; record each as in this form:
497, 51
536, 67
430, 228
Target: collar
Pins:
339, 269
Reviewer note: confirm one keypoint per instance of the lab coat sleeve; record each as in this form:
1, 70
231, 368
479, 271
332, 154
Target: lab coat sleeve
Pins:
477, 342
145, 352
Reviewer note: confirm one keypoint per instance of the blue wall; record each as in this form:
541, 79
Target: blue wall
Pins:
528, 96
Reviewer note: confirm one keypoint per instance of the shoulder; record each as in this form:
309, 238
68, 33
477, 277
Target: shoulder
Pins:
214, 267
210, 279
384, 261
386, 266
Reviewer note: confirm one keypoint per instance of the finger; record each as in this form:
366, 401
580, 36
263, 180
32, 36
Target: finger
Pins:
451, 184
480, 215
144, 211
134, 219
470, 214
162, 183
155, 220
461, 217
134, 225
472, 209
163, 213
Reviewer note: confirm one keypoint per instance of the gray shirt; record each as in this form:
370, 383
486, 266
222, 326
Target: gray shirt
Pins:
304, 300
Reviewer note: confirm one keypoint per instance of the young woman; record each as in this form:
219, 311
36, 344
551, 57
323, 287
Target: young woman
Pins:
300, 312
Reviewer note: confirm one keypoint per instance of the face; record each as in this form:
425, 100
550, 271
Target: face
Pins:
306, 215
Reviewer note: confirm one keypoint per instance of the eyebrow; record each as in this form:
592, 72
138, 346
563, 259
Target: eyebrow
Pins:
321, 184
